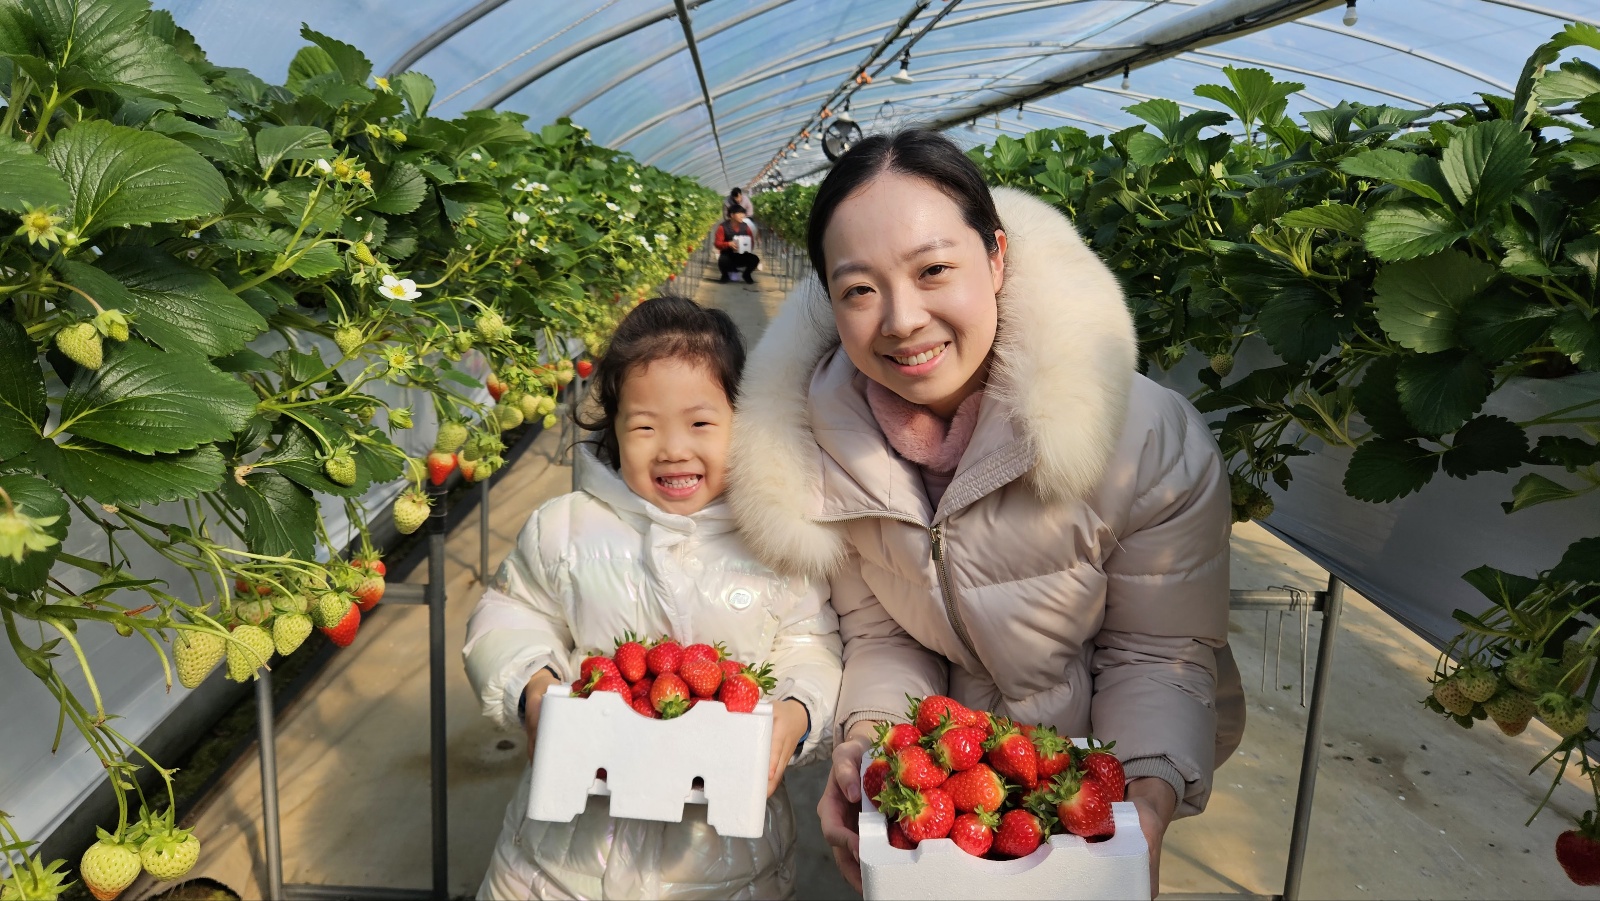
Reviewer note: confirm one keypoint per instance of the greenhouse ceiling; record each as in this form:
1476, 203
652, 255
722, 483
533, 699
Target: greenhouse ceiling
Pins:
719, 89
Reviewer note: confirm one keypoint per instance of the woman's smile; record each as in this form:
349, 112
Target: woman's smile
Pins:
915, 362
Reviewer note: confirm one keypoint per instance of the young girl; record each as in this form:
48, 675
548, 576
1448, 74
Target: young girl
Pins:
648, 546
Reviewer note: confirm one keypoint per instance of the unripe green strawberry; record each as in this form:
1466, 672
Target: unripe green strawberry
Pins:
452, 435
170, 855
108, 867
547, 405
363, 254
1530, 672
350, 339
410, 511
1564, 714
529, 405
81, 343
289, 631
462, 341
1222, 364
550, 421
1511, 709
1261, 506
491, 326
508, 415
196, 654
400, 418
340, 468
1477, 683
330, 608
113, 324
248, 651
1447, 692
472, 451
1574, 674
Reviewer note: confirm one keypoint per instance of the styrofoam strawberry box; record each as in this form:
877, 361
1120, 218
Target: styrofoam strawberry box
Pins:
1064, 867
651, 765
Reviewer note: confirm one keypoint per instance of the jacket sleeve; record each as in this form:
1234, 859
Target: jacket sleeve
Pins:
1155, 657
520, 623
882, 664
805, 659
720, 240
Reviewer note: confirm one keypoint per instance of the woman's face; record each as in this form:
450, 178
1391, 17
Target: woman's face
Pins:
913, 290
673, 426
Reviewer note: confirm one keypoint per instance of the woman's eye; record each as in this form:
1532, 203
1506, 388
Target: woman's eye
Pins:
935, 269
856, 291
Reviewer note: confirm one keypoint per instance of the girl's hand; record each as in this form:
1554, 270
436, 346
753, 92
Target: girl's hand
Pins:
789, 723
1154, 800
541, 680
840, 807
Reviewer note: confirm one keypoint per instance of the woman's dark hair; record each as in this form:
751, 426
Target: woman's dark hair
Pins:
660, 328
736, 192
916, 152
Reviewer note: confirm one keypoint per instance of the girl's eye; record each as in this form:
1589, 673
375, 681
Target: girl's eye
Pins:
699, 424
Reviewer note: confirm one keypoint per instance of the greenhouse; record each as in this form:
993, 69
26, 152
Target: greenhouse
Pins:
799, 448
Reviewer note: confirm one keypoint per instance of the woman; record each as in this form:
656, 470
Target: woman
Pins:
953, 431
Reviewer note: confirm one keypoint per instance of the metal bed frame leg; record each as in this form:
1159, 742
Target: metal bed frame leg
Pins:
1334, 605
436, 696
269, 783
483, 532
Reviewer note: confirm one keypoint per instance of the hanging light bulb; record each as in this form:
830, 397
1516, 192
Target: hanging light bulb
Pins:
1128, 82
1350, 16
904, 75
1019, 112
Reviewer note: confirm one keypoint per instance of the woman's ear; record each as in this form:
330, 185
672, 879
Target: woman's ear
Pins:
997, 261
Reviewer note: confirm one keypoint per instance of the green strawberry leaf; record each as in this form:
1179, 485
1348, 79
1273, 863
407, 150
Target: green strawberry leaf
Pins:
1419, 301
109, 41
280, 516
1337, 217
297, 456
1300, 321
1378, 400
1416, 173
417, 89
1534, 489
147, 401
1498, 324
1580, 563
1407, 230
23, 404
401, 191
177, 306
88, 469
1486, 444
1577, 336
277, 143
35, 497
1439, 391
26, 179
1506, 589
124, 176
1382, 470
1485, 164
1566, 451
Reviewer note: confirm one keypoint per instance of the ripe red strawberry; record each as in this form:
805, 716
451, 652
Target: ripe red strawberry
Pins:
702, 651
597, 663
956, 748
496, 387
1578, 852
927, 713
630, 657
440, 465
1103, 767
344, 631
585, 368
894, 736
898, 839
369, 591
1083, 805
702, 676
730, 667
641, 705
371, 562
1012, 755
978, 787
915, 768
669, 696
921, 814
641, 688
581, 687
974, 832
1020, 833
873, 780
614, 683
663, 657
743, 691
1055, 752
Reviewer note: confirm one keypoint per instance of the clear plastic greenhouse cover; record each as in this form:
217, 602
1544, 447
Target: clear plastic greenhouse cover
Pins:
622, 68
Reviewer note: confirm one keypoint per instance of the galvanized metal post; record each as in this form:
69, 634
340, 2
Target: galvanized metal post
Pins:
1309, 756
436, 699
266, 740
483, 532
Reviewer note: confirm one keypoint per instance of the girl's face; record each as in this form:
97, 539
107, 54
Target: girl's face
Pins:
673, 425
913, 290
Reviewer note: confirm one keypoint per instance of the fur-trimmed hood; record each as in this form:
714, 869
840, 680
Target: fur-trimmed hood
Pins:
1064, 362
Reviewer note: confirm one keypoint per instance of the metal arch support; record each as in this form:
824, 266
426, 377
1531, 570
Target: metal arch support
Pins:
1411, 52
1539, 10
443, 33
1189, 58
529, 76
700, 74
1306, 72
636, 70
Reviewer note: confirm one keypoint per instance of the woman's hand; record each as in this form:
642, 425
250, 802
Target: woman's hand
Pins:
1156, 803
534, 694
789, 723
840, 807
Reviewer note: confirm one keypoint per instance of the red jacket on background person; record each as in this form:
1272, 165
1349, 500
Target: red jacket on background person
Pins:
722, 239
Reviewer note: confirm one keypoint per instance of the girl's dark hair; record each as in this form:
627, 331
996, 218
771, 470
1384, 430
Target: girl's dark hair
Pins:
660, 328
916, 152
736, 192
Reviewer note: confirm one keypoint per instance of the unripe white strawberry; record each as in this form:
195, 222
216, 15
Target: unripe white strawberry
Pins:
410, 511
196, 654
248, 651
81, 343
289, 631
108, 867
170, 855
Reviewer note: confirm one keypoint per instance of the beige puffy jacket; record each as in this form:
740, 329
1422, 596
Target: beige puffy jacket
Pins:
1075, 572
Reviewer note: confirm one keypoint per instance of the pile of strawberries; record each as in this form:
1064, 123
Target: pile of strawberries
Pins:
663, 679
995, 788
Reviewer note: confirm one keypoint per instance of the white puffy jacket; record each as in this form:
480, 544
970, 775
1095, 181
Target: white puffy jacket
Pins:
589, 566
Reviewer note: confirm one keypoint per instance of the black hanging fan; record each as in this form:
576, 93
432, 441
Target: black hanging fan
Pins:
837, 139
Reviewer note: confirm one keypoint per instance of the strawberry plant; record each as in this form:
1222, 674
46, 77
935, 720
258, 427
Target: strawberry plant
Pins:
1396, 267
213, 292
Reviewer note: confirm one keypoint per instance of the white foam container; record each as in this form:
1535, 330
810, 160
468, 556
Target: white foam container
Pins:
651, 764
1065, 867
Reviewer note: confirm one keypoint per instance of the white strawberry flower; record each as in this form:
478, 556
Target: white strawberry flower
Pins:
636, 188
612, 207
399, 288
477, 157
628, 217
661, 239
520, 217
325, 167
538, 186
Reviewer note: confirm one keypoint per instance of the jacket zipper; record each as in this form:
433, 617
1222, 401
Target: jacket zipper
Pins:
947, 593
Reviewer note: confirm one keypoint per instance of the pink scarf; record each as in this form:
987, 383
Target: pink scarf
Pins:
919, 434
